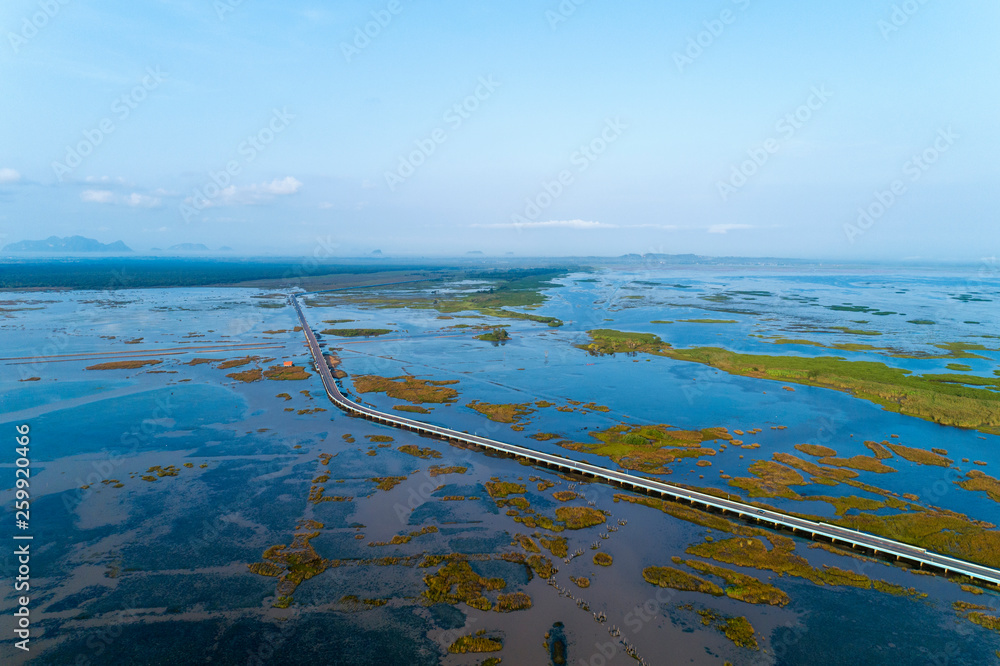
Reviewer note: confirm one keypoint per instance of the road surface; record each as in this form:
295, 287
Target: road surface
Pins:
885, 548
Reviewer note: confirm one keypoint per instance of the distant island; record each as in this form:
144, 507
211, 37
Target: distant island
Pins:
188, 247
68, 244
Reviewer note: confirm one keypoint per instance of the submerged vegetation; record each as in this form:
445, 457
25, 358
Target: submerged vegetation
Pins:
649, 448
500, 290
123, 365
408, 388
944, 399
356, 332
511, 413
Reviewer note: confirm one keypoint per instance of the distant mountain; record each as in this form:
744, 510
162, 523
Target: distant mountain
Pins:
188, 247
225, 248
68, 244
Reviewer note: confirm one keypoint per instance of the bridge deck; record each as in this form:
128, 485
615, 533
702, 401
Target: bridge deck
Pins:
812, 529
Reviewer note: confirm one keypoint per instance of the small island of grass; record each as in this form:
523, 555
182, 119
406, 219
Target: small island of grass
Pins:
408, 388
356, 332
123, 365
944, 399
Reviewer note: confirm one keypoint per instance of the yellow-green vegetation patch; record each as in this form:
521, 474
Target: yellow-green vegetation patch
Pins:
555, 545
497, 334
541, 565
515, 601
751, 552
379, 438
294, 563
504, 488
314, 410
476, 643
286, 373
356, 332
510, 413
991, 622
400, 539
565, 495
603, 559
863, 463
527, 543
419, 452
124, 365
741, 586
879, 449
920, 456
944, 399
438, 470
649, 448
457, 582
579, 517
707, 321
821, 474
817, 450
580, 582
416, 409
691, 514
544, 436
770, 480
978, 481
247, 376
680, 580
284, 396
959, 367
387, 482
408, 388
200, 361
237, 362
737, 629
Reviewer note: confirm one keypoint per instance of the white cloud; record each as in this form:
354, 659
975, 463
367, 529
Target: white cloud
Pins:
141, 200
97, 196
563, 224
571, 224
8, 175
724, 228
104, 179
287, 185
135, 199
326, 205
252, 194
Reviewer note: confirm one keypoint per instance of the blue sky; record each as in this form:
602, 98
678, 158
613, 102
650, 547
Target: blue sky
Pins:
725, 128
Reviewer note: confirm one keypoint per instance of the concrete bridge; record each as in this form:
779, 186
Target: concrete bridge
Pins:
817, 531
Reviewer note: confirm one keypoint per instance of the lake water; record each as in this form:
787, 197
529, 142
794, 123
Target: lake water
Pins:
130, 570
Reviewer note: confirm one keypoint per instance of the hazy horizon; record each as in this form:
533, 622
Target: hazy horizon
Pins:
851, 132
